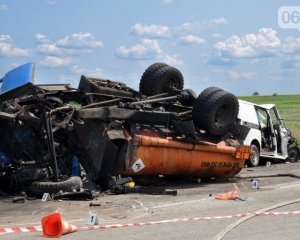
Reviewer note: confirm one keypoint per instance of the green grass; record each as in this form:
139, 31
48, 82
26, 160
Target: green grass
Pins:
288, 107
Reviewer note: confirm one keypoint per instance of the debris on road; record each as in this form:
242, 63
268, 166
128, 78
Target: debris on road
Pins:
230, 195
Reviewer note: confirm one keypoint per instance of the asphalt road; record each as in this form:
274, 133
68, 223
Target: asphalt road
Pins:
278, 191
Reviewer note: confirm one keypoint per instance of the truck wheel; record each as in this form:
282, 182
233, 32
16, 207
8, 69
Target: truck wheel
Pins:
219, 113
165, 78
146, 77
191, 100
39, 188
293, 153
200, 103
253, 161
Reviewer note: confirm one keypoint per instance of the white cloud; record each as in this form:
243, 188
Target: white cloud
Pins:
236, 75
148, 49
114, 65
217, 35
199, 26
96, 72
133, 76
52, 49
190, 39
79, 40
172, 60
291, 45
9, 50
152, 31
291, 61
167, 1
247, 75
55, 62
52, 2
40, 38
3, 7
4, 38
264, 44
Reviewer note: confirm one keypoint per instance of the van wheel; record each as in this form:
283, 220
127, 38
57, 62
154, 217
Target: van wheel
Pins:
219, 113
293, 153
253, 161
164, 79
147, 75
200, 103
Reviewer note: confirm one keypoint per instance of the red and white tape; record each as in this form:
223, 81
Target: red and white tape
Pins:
39, 228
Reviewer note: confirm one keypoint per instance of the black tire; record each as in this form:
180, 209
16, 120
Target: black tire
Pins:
219, 113
146, 77
190, 101
39, 188
293, 153
200, 103
165, 78
253, 161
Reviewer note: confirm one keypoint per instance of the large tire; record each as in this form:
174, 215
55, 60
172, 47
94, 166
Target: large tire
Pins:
147, 75
293, 153
253, 160
219, 113
165, 78
39, 188
200, 103
190, 101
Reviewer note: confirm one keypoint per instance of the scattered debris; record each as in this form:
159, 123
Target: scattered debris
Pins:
230, 195
95, 204
18, 200
85, 195
120, 216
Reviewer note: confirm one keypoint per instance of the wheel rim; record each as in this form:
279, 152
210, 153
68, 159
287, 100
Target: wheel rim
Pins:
254, 158
168, 84
221, 116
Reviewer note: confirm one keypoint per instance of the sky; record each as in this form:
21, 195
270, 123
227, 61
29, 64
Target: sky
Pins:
238, 46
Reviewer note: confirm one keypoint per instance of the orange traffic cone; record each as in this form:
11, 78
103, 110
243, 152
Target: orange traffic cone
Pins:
54, 227
230, 195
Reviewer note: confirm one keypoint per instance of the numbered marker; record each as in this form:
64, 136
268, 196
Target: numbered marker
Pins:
93, 219
255, 184
46, 197
268, 164
138, 165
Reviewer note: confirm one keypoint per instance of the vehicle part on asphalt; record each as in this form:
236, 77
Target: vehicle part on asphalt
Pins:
39, 188
147, 76
143, 190
95, 204
104, 125
18, 200
85, 195
232, 195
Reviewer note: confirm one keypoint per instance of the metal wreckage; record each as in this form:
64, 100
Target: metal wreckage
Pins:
50, 133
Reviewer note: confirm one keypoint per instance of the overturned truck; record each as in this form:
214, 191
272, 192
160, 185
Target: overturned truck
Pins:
51, 132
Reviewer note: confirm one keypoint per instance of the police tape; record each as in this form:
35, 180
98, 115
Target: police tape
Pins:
39, 228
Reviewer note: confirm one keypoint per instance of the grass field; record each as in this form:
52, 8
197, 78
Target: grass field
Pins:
288, 106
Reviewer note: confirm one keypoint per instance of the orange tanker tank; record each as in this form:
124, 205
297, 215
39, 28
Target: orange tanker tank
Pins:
159, 156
